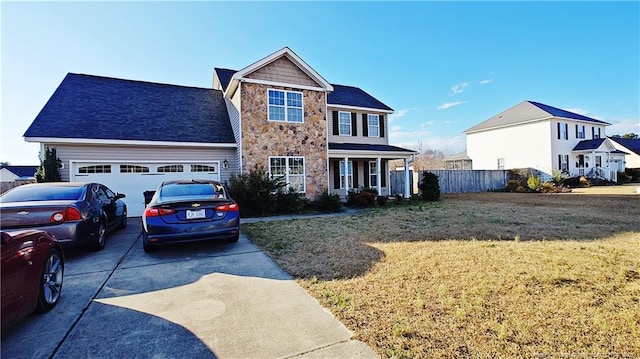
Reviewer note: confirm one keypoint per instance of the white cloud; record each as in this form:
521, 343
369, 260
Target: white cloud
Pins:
622, 127
447, 105
484, 82
398, 114
459, 88
395, 128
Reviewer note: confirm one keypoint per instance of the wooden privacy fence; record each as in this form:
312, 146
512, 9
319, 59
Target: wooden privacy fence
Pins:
454, 181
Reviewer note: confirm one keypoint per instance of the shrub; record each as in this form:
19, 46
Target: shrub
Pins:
382, 200
399, 199
548, 187
534, 183
49, 170
255, 192
513, 185
328, 203
290, 201
365, 199
623, 177
430, 187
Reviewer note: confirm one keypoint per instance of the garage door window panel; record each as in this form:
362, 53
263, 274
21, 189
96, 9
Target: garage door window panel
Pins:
171, 169
203, 168
133, 169
94, 169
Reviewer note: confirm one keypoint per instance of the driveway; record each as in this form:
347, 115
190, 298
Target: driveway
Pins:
203, 300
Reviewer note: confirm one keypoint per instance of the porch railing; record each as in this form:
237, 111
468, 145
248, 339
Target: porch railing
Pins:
599, 172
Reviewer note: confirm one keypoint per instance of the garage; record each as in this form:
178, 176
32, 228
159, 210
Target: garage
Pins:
133, 178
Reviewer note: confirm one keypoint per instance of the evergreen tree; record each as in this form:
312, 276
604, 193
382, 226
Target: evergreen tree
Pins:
49, 170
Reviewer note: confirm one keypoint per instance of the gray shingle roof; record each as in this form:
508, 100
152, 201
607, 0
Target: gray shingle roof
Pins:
528, 111
367, 147
94, 107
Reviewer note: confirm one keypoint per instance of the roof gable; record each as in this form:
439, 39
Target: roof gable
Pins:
632, 145
525, 112
93, 107
21, 171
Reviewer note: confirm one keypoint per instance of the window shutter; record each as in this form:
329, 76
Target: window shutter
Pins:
577, 131
566, 131
354, 124
383, 173
558, 130
336, 174
365, 125
560, 161
355, 175
336, 127
381, 119
366, 174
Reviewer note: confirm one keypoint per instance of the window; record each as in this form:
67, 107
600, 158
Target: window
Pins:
595, 133
598, 161
95, 169
563, 131
349, 174
580, 132
563, 163
171, 168
133, 169
500, 163
373, 173
291, 170
374, 125
203, 168
285, 106
344, 123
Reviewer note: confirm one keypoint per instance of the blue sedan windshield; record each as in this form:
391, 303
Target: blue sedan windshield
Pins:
24, 194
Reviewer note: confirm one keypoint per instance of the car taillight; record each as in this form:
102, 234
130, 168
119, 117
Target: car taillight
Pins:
69, 214
153, 212
230, 207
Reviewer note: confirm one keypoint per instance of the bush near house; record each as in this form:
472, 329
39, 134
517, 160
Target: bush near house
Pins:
430, 187
327, 203
49, 170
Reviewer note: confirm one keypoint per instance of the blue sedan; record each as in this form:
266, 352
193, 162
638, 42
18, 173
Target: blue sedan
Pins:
189, 210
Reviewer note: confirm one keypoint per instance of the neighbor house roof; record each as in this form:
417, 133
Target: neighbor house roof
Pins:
340, 96
103, 108
22, 171
632, 145
529, 111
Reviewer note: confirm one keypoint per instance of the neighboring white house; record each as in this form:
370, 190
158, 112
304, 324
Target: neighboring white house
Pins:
630, 146
535, 135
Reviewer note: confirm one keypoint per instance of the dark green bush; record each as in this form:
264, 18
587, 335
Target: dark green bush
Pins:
382, 200
327, 203
290, 201
430, 187
365, 199
255, 192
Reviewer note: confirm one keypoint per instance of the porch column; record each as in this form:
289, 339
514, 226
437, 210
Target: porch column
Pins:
346, 177
378, 178
407, 188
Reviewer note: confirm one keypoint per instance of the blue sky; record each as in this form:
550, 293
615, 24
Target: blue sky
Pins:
442, 66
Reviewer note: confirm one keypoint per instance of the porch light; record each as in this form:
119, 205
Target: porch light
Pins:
225, 163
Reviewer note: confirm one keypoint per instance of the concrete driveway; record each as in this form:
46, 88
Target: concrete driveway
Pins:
202, 300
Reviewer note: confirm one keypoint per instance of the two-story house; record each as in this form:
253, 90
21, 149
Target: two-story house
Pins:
277, 113
531, 134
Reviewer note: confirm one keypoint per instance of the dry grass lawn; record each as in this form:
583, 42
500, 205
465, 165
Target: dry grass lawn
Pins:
476, 275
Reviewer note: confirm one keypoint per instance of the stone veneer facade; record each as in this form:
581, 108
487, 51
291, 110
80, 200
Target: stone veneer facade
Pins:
262, 138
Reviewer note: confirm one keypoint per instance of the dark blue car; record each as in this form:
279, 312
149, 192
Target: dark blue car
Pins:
183, 211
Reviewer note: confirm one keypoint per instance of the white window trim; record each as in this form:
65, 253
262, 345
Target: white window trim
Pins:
340, 133
369, 126
286, 175
349, 176
286, 113
373, 166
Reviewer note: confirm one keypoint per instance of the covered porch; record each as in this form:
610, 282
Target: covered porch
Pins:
598, 159
367, 166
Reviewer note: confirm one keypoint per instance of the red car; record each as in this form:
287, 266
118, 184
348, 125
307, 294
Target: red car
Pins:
32, 272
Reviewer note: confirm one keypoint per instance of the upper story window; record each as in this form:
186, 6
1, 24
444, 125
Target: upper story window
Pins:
580, 132
595, 133
563, 131
373, 125
285, 106
344, 124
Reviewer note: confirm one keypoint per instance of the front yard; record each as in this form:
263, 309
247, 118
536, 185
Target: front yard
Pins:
475, 275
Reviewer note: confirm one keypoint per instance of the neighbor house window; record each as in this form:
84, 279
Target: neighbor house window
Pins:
291, 170
133, 169
285, 106
580, 132
563, 131
373, 122
171, 168
344, 123
563, 163
349, 174
95, 169
373, 173
500, 163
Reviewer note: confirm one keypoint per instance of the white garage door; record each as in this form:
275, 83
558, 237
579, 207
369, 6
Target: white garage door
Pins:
134, 178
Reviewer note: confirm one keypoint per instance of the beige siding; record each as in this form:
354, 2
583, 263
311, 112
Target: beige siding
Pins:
284, 71
359, 138
102, 153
